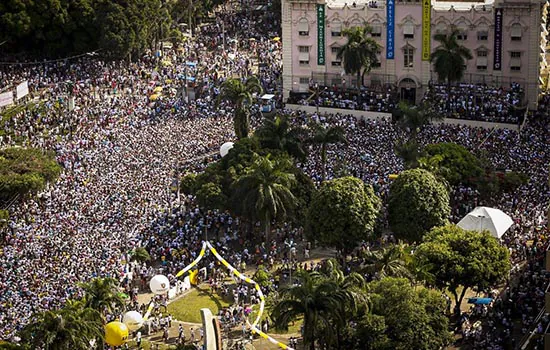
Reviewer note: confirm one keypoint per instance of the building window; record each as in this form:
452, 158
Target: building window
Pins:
515, 60
336, 28
482, 35
303, 49
304, 80
408, 57
335, 50
376, 30
462, 31
303, 27
440, 28
304, 63
408, 30
515, 32
481, 61
336, 63
376, 64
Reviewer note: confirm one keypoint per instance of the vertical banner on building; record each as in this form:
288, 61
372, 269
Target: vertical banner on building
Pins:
320, 34
497, 63
390, 15
426, 29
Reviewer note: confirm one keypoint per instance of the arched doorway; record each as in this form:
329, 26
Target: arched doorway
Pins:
407, 88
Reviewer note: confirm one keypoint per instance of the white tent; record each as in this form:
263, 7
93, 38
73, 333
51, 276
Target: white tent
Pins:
484, 218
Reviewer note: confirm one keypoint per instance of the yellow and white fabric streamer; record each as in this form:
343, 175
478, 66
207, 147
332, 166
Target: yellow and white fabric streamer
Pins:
253, 326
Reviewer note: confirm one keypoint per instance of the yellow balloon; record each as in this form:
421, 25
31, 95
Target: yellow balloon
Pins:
116, 333
193, 277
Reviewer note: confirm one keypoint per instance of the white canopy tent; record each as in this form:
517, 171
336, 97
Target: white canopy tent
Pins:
484, 218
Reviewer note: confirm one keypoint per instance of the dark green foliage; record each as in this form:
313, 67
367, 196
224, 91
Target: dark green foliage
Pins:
72, 327
449, 58
279, 135
56, 28
263, 277
464, 258
342, 213
359, 53
404, 318
240, 94
417, 202
210, 196
140, 254
188, 184
457, 164
25, 170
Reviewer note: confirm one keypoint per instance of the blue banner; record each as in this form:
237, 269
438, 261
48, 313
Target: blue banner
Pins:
390, 15
497, 63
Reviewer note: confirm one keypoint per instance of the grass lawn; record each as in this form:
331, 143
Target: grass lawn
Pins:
187, 308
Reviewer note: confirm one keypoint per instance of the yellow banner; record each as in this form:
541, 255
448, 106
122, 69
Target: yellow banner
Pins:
426, 31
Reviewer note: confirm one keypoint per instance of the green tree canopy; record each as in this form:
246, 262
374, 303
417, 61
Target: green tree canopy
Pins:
72, 327
417, 202
25, 170
342, 213
464, 258
102, 294
457, 164
403, 318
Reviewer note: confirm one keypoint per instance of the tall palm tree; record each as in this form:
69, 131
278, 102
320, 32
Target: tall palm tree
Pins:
240, 94
359, 53
413, 118
278, 134
318, 300
449, 58
72, 327
391, 261
102, 294
263, 191
324, 136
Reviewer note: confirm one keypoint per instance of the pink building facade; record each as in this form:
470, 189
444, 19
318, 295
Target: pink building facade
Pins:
507, 39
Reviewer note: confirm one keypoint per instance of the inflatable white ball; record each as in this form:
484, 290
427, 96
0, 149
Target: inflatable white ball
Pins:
159, 284
132, 320
224, 149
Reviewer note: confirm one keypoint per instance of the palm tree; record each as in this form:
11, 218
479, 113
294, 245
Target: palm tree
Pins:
263, 193
413, 118
73, 327
359, 53
324, 136
450, 57
240, 94
102, 294
315, 298
390, 261
140, 254
278, 134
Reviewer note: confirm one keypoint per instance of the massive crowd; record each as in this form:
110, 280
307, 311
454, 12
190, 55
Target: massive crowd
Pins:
122, 153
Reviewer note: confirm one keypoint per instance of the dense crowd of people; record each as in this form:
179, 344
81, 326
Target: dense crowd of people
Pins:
122, 154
